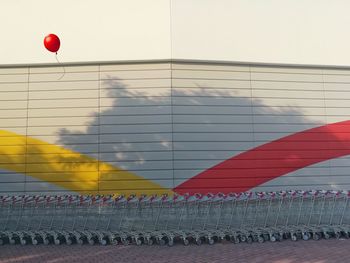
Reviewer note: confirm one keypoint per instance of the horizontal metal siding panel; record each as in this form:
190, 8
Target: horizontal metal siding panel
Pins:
18, 122
140, 165
204, 155
212, 137
136, 110
132, 185
137, 128
149, 101
212, 128
66, 85
68, 69
211, 101
289, 111
134, 146
15, 95
200, 92
66, 94
139, 92
290, 94
62, 130
211, 119
137, 156
153, 174
136, 66
83, 148
337, 95
201, 74
58, 121
214, 110
11, 178
134, 83
62, 112
62, 103
337, 78
153, 137
69, 158
41, 187
286, 77
137, 74
12, 187
211, 146
11, 78
210, 84
290, 102
286, 70
12, 87
208, 67
67, 139
286, 85
261, 119
61, 76
4, 113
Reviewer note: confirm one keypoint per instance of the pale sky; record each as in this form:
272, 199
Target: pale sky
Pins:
274, 31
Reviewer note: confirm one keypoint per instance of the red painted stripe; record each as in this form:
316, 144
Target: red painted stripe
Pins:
271, 160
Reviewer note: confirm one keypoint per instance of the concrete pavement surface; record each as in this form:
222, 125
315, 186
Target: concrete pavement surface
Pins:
279, 252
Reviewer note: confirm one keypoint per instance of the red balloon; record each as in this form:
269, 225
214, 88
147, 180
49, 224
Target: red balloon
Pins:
52, 43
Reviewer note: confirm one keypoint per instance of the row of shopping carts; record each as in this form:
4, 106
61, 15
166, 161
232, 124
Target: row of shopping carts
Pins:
237, 217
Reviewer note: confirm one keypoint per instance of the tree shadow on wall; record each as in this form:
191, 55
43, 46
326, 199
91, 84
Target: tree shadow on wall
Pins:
210, 126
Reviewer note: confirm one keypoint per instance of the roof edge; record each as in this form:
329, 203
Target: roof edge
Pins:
179, 60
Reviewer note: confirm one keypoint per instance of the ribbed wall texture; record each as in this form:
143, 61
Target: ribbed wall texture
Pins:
173, 126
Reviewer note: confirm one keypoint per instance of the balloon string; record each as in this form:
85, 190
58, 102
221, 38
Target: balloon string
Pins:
64, 70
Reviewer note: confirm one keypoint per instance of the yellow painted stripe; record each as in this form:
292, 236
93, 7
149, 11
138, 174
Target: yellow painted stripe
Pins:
68, 169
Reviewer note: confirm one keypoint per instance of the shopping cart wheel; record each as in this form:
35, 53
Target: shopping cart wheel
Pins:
243, 238
211, 241
161, 241
57, 241
170, 242
260, 239
138, 241
316, 236
114, 241
150, 241
198, 241
23, 241
294, 237
103, 241
12, 241
266, 237
125, 241
234, 239
69, 241
91, 241
326, 235
279, 237
306, 236
249, 240
272, 238
185, 241
337, 235
46, 241
80, 241
35, 241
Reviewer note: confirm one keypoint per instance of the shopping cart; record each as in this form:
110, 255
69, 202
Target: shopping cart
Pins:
237, 217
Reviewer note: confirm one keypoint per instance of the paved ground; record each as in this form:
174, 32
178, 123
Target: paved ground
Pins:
284, 252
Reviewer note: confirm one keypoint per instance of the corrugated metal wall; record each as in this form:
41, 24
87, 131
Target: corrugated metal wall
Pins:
163, 123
